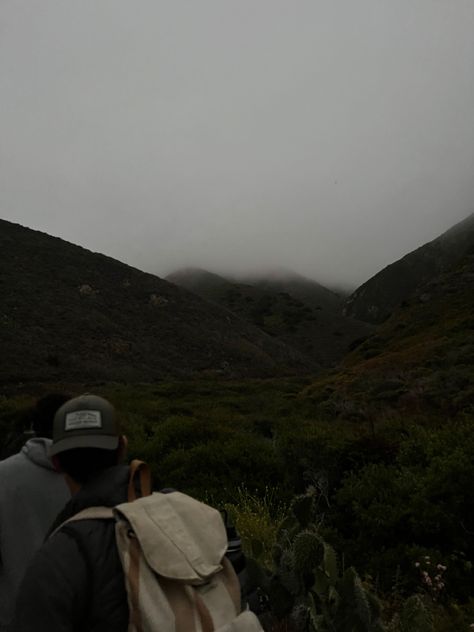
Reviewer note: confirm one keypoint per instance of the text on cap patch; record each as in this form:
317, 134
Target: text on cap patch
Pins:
83, 419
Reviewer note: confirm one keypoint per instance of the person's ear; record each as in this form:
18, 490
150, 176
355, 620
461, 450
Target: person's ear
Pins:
122, 449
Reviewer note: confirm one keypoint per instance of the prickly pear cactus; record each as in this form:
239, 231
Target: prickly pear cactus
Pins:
308, 588
303, 509
414, 617
308, 551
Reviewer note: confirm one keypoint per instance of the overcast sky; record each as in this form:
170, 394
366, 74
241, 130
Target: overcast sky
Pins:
331, 137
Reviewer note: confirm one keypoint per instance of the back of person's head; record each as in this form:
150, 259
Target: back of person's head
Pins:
84, 464
42, 415
86, 437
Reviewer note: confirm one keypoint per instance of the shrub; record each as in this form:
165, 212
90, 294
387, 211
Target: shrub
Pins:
257, 518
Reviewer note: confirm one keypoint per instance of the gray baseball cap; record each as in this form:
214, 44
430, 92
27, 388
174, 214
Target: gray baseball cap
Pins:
87, 421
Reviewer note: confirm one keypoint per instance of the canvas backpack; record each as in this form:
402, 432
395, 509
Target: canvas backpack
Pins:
172, 548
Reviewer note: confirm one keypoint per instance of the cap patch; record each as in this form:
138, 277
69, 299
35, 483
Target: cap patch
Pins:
83, 419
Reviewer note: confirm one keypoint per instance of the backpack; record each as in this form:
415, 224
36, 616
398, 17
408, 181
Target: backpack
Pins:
172, 548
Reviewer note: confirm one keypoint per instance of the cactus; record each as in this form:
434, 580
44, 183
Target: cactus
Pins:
303, 508
307, 587
308, 551
415, 616
308, 591
290, 579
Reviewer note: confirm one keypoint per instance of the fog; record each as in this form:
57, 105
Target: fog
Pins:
328, 137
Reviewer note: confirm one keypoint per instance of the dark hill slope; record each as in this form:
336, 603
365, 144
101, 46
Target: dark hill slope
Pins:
376, 298
310, 292
318, 331
419, 360
210, 286
69, 314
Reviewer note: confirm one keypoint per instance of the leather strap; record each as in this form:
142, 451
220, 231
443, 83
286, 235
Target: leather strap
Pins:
139, 472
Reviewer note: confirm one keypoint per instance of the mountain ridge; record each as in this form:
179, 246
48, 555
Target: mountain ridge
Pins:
293, 309
375, 299
419, 360
68, 312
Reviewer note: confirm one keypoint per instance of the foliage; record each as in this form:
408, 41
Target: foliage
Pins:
257, 518
308, 586
297, 311
386, 492
422, 499
415, 615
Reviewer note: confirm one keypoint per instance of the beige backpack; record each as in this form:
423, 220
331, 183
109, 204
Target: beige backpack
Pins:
172, 549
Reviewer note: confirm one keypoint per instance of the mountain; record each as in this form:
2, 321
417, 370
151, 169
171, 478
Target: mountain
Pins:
69, 314
420, 360
375, 300
207, 284
310, 292
307, 318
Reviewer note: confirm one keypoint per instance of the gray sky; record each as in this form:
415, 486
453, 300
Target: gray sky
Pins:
330, 137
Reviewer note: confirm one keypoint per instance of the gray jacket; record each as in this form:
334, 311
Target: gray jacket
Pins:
31, 495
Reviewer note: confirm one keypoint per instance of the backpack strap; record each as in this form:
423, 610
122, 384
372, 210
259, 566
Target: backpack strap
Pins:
139, 483
83, 624
91, 513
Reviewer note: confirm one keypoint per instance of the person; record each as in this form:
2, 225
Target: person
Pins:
76, 580
31, 495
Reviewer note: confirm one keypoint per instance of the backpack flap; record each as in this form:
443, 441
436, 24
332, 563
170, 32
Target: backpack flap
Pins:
246, 622
180, 537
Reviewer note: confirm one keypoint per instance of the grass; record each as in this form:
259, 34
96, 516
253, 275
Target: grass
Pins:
257, 517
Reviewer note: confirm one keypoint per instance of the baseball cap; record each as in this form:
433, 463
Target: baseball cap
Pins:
87, 421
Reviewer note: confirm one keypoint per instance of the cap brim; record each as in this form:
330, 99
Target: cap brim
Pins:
103, 442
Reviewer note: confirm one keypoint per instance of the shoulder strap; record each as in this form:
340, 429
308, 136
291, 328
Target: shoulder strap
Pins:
139, 482
91, 513
96, 513
83, 623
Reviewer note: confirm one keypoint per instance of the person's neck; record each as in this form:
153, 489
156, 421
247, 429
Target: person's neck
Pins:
73, 485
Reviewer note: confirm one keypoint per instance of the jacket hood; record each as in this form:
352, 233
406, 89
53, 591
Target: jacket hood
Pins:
36, 450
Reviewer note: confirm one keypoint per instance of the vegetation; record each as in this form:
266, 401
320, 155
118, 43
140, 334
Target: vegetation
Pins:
70, 314
351, 488
299, 312
383, 497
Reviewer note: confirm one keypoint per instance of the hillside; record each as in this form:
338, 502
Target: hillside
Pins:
307, 318
379, 296
310, 292
67, 313
210, 286
420, 360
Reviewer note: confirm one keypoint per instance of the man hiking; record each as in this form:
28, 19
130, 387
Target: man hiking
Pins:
76, 581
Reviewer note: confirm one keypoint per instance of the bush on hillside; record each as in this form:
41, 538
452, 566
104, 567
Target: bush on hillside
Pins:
423, 500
